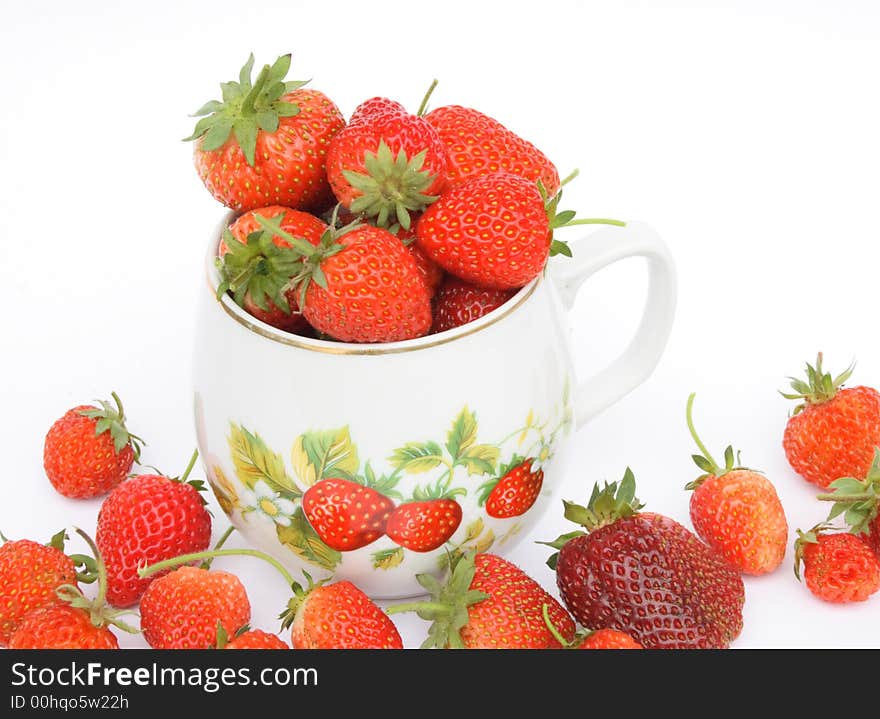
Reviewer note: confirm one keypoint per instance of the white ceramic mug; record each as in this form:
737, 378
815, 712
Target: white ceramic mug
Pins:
278, 414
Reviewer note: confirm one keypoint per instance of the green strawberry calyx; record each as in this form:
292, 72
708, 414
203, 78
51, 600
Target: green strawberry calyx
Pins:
705, 461
447, 608
223, 637
100, 613
616, 500
110, 418
566, 218
811, 536
247, 108
858, 500
258, 269
819, 386
392, 186
298, 599
311, 257
438, 490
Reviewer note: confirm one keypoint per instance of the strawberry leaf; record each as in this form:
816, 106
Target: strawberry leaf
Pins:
462, 434
305, 542
417, 457
254, 461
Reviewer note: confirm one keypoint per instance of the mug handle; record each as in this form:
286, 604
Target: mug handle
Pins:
638, 360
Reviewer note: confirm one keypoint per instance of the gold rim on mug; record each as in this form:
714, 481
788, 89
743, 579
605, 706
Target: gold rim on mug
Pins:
351, 348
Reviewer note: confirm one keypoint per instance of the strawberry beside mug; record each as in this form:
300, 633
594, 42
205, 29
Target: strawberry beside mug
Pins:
375, 462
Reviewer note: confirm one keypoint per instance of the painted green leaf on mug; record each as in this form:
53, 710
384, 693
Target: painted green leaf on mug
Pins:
254, 461
479, 458
417, 457
326, 454
305, 542
388, 558
462, 434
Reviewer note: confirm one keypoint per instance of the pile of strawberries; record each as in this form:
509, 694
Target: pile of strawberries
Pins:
386, 228
629, 578
445, 214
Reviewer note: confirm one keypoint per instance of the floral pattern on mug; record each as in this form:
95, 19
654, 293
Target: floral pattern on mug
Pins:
359, 505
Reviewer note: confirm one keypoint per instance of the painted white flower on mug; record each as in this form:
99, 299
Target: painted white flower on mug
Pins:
267, 504
543, 455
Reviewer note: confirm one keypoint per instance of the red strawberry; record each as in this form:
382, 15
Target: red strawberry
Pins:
346, 515
431, 272
73, 622
258, 268
29, 575
609, 639
838, 567
489, 603
858, 500
324, 616
427, 522
646, 575
256, 639
833, 432
338, 616
736, 511
266, 142
477, 145
590, 639
386, 163
61, 627
145, 520
183, 609
458, 302
90, 450
360, 284
514, 491
496, 231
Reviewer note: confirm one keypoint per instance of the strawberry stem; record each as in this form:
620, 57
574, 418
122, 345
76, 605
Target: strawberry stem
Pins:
848, 499
424, 105
551, 627
175, 562
695, 436
189, 467
220, 542
438, 607
595, 221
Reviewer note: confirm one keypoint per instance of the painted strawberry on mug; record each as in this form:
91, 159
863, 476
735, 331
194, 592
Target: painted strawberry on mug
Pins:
428, 521
346, 515
514, 491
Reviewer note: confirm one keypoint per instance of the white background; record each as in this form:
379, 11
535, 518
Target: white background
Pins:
746, 133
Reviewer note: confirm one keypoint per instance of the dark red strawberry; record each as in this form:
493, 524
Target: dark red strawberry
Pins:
386, 163
514, 491
346, 515
646, 575
477, 145
428, 522
265, 143
458, 302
